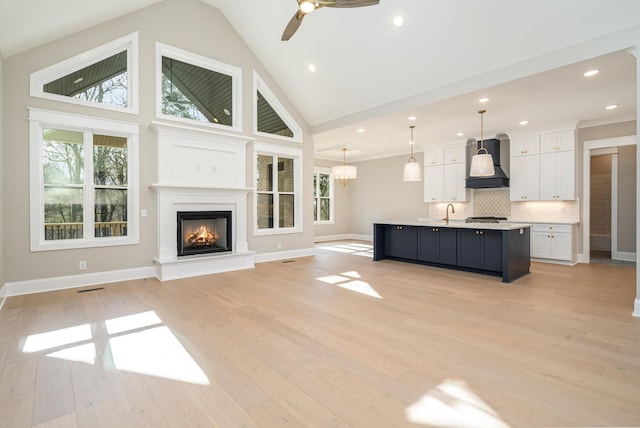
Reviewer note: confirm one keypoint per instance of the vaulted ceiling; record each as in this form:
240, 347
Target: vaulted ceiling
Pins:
527, 57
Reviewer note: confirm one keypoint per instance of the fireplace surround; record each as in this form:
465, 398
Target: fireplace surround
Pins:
200, 171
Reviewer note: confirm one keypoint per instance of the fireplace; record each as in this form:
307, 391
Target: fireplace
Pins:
204, 232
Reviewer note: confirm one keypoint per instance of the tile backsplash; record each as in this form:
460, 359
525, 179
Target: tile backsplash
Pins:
496, 202
491, 202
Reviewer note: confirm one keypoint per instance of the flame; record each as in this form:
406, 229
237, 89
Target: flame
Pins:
201, 236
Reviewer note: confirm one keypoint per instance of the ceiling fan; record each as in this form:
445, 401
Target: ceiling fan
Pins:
306, 6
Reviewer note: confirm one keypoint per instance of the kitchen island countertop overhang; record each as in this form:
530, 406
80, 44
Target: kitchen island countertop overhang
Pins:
429, 222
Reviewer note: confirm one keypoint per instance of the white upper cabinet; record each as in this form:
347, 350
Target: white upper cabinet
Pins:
433, 157
525, 178
433, 183
557, 176
445, 174
557, 141
455, 154
525, 145
543, 167
454, 182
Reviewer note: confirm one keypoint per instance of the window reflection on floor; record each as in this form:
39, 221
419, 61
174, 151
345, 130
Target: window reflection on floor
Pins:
354, 248
453, 404
351, 281
138, 343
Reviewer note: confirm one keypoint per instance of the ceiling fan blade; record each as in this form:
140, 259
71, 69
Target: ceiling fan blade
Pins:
353, 3
292, 26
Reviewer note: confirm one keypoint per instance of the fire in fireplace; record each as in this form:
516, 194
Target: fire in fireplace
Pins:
202, 232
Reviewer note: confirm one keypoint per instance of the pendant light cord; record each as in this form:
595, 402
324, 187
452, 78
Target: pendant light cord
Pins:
412, 158
482, 112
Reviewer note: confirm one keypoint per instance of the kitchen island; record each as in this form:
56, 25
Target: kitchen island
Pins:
500, 249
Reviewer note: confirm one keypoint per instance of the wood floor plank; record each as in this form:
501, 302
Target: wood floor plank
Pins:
333, 340
53, 393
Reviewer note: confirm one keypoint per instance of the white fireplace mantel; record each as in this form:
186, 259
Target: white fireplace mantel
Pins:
200, 171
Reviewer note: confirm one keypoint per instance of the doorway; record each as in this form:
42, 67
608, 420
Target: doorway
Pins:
609, 225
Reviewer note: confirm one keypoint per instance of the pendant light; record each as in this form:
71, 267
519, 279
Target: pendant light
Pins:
344, 173
482, 164
412, 167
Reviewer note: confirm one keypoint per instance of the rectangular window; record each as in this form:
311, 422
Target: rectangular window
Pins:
82, 193
322, 196
277, 189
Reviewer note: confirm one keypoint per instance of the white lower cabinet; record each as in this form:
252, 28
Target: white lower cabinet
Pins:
552, 241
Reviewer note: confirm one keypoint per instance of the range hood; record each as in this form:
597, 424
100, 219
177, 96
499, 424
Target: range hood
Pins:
496, 147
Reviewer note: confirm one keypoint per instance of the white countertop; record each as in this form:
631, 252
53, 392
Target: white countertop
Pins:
460, 224
545, 221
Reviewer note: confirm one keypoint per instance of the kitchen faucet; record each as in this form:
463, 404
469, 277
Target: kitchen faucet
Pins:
453, 211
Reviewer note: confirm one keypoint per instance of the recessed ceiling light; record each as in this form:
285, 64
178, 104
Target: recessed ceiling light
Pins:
398, 21
361, 130
460, 134
78, 80
591, 73
411, 118
524, 122
312, 68
483, 100
612, 107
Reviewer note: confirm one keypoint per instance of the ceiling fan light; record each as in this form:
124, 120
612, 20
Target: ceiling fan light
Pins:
307, 6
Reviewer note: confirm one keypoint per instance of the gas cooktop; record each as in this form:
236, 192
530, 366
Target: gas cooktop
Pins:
485, 219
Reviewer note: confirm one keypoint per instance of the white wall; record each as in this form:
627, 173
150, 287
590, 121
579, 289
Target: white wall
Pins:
185, 24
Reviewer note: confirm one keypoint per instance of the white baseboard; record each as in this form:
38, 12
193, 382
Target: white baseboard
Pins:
636, 307
74, 281
327, 238
624, 256
282, 255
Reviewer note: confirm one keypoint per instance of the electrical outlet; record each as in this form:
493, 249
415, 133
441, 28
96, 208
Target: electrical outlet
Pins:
279, 245
82, 265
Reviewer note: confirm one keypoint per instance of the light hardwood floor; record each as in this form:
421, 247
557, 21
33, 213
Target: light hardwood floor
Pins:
334, 340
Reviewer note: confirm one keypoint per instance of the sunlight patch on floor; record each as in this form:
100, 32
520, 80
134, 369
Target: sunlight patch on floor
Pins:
132, 322
365, 250
79, 354
453, 404
56, 338
138, 343
156, 352
346, 280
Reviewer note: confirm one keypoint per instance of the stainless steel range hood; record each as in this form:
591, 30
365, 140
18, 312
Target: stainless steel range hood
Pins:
498, 148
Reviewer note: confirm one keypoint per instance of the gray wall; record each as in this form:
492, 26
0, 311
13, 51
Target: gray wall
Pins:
186, 24
2, 243
627, 199
379, 193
